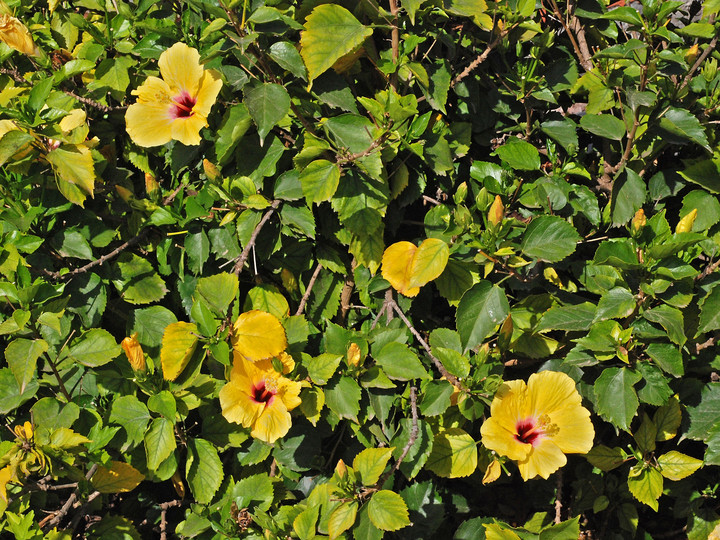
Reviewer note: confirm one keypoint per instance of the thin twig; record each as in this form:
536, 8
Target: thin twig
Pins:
83, 509
92, 103
163, 516
394, 42
341, 160
308, 290
452, 379
708, 270
582, 52
414, 431
240, 262
101, 260
57, 517
480, 59
170, 198
61, 384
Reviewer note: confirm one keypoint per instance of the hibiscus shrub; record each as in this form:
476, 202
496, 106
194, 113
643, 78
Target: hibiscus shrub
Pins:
423, 269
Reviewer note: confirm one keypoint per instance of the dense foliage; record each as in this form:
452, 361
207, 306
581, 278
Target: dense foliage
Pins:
266, 265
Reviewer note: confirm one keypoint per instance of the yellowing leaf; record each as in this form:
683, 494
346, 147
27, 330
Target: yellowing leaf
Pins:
454, 454
75, 171
408, 268
258, 335
5, 476
178, 345
676, 465
492, 472
118, 478
493, 531
331, 32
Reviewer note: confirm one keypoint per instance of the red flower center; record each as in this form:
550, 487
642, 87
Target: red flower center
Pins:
528, 431
262, 394
182, 106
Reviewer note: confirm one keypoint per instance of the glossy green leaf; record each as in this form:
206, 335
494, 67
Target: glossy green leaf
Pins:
267, 104
616, 398
203, 470
21, 356
480, 311
549, 238
159, 442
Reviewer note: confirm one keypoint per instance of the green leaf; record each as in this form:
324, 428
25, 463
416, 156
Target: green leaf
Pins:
39, 94
454, 454
254, 492
549, 238
342, 518
400, 363
288, 57
656, 390
628, 196
710, 312
370, 464
320, 180
617, 303
646, 487
679, 125
617, 401
605, 458
568, 318
360, 202
604, 125
676, 466
618, 253
94, 348
343, 397
267, 103
217, 292
113, 73
74, 170
12, 142
234, 126
475, 9
519, 155
159, 442
133, 416
667, 420
150, 324
21, 356
565, 530
137, 281
705, 416
667, 357
671, 319
705, 173
563, 131
322, 367
388, 511
436, 398
645, 435
331, 32
203, 469
10, 395
163, 403
480, 310
624, 14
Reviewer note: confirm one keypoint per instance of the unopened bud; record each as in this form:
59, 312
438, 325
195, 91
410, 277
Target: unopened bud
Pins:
497, 211
212, 172
686, 223
151, 186
692, 54
341, 469
133, 351
125, 194
353, 355
639, 220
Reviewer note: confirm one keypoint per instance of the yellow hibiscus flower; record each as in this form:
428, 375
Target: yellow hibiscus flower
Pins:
259, 397
538, 423
15, 34
176, 106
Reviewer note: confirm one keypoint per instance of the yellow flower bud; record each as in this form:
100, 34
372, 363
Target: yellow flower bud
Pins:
134, 352
151, 185
341, 469
639, 220
353, 355
692, 54
125, 193
686, 223
497, 211
211, 170
15, 35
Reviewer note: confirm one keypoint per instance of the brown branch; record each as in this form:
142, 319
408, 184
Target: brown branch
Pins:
707, 343
480, 59
163, 516
92, 103
240, 262
394, 42
308, 290
15, 74
709, 269
135, 240
414, 431
345, 296
83, 509
341, 160
170, 198
577, 37
452, 379
54, 519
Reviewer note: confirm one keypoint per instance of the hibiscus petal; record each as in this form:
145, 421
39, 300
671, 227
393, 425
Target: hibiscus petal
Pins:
575, 430
180, 67
187, 130
549, 391
289, 392
273, 423
236, 404
545, 459
501, 438
507, 406
210, 85
154, 90
148, 124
